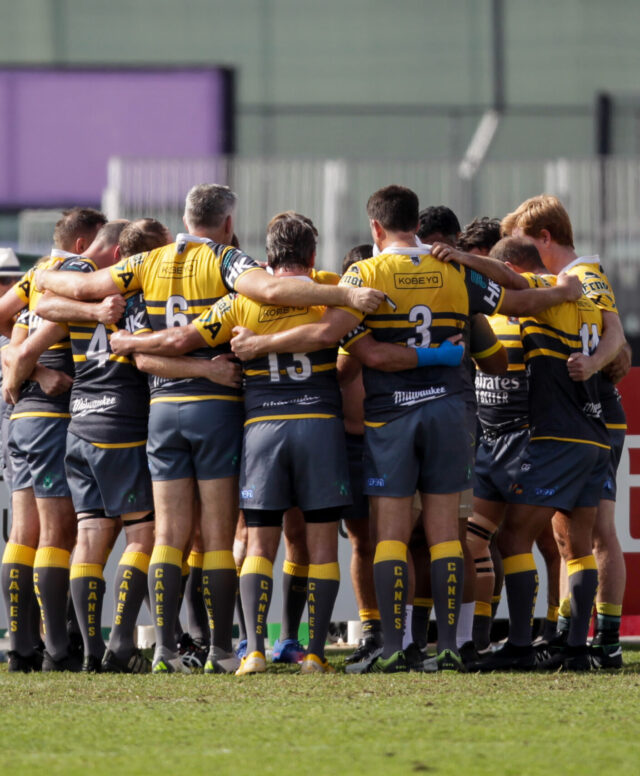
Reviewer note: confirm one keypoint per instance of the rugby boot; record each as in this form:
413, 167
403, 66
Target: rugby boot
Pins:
312, 664
395, 664
606, 652
167, 662
68, 663
255, 663
288, 651
509, 657
136, 664
221, 662
19, 663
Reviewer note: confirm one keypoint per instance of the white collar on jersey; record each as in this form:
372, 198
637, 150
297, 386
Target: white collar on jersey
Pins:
183, 239
57, 253
581, 260
399, 250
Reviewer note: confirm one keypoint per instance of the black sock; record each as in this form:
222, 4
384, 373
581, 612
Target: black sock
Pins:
130, 588
256, 586
19, 598
322, 588
219, 586
197, 617
294, 598
583, 584
165, 579
521, 581
420, 621
87, 591
482, 620
447, 577
51, 585
390, 574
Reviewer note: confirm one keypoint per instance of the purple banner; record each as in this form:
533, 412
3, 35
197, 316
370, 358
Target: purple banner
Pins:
58, 128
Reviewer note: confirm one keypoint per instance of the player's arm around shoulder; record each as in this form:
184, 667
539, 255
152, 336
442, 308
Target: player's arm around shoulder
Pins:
533, 301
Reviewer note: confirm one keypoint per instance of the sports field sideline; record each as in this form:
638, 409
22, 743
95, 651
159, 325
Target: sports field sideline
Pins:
281, 722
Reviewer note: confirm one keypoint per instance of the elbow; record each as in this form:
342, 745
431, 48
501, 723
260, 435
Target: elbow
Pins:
142, 361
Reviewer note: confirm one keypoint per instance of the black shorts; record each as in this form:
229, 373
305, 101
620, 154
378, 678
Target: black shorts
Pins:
355, 453
114, 480
498, 462
562, 475
200, 440
616, 440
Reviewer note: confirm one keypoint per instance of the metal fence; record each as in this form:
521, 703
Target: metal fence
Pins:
602, 197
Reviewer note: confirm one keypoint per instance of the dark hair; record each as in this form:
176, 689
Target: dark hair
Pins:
395, 208
438, 220
482, 234
359, 252
77, 222
520, 252
291, 241
142, 235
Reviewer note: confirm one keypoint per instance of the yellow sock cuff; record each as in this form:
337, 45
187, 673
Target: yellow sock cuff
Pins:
186, 568
195, 560
139, 560
483, 609
495, 599
390, 550
368, 614
611, 610
516, 564
19, 553
51, 557
86, 570
564, 610
446, 550
255, 564
425, 603
552, 613
295, 569
586, 563
324, 571
218, 559
165, 554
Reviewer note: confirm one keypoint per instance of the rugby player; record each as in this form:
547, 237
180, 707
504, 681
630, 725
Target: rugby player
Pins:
440, 224
562, 469
195, 432
545, 222
36, 441
423, 305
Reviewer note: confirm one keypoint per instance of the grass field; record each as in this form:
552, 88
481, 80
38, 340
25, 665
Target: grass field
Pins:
287, 724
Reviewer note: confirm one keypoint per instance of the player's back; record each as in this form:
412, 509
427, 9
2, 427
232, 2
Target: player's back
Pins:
278, 384
426, 302
503, 399
562, 408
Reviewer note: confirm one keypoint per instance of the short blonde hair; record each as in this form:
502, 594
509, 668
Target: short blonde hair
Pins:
537, 213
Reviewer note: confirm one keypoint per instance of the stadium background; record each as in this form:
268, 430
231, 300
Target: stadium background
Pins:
473, 103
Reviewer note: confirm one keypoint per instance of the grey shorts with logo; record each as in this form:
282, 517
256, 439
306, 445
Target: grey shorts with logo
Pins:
562, 475
428, 449
195, 439
36, 447
113, 480
616, 438
498, 462
300, 462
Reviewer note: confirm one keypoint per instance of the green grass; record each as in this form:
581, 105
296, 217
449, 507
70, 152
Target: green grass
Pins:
287, 724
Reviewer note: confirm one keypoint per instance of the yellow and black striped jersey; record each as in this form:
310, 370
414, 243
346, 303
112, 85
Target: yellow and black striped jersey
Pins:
280, 385
596, 285
110, 397
503, 400
426, 302
33, 401
179, 282
561, 408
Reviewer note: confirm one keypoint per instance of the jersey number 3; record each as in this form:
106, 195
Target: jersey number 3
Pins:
420, 314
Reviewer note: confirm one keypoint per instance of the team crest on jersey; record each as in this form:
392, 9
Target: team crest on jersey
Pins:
409, 280
270, 312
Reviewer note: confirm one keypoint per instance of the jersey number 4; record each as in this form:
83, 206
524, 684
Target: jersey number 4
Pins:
98, 349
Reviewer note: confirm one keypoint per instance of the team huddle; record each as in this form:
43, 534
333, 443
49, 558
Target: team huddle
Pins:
451, 397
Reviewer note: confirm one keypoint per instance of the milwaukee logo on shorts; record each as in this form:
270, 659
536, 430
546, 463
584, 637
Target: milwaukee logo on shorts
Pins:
418, 280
